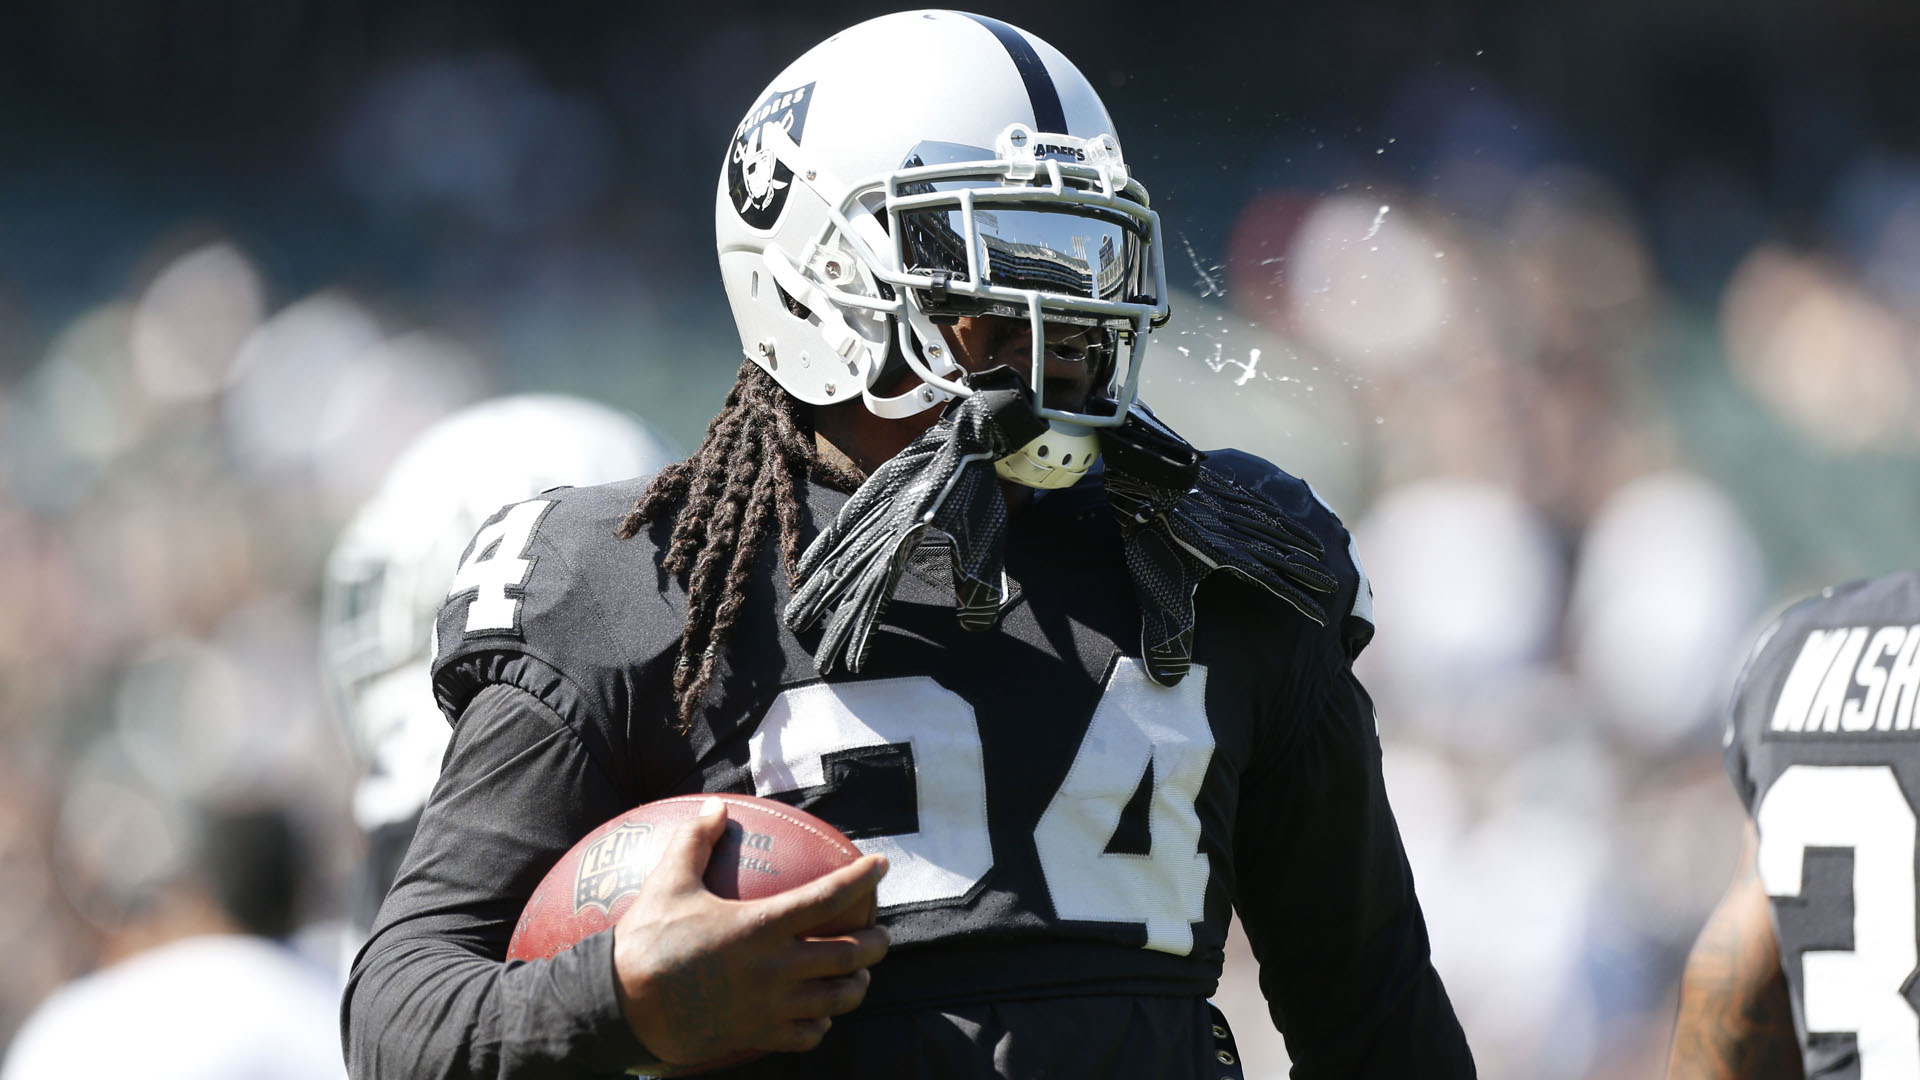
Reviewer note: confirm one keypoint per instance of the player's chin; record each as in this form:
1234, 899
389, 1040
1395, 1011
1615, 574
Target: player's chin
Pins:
1065, 384
1068, 394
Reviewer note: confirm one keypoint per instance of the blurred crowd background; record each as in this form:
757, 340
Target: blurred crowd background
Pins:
1598, 322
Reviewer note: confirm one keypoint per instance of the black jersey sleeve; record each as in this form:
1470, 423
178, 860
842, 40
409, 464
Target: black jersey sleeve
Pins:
430, 995
1325, 893
551, 600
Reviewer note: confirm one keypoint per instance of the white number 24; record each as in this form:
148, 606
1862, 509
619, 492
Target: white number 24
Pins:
1858, 990
1136, 726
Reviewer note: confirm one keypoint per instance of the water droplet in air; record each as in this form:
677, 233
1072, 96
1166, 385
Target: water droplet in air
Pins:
1380, 216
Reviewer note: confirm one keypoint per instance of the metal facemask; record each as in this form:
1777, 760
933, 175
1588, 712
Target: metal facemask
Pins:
1045, 227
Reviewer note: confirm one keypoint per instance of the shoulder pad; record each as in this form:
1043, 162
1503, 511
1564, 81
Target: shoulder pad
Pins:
548, 581
1353, 599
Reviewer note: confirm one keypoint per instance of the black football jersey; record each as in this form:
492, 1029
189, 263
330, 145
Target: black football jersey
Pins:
1824, 749
1058, 826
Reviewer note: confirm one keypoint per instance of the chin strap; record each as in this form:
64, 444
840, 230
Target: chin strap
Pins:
943, 480
1180, 522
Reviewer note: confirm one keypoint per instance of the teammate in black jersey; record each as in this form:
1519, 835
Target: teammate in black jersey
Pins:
389, 571
1077, 713
1807, 967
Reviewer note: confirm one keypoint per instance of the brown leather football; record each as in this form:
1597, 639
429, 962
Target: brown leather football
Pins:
769, 847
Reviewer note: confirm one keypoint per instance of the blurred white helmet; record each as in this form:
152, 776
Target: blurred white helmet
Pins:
917, 168
391, 567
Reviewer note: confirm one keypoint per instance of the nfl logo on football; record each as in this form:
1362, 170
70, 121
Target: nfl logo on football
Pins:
614, 865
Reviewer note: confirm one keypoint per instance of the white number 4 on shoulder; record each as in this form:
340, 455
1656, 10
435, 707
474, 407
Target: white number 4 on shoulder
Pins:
499, 562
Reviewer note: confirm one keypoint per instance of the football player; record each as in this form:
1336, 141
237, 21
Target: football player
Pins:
389, 571
1079, 690
1806, 968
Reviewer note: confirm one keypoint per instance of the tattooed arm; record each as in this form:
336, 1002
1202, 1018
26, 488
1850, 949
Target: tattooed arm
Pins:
1736, 1021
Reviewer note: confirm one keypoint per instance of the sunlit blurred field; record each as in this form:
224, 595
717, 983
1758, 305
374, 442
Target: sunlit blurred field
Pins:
1595, 399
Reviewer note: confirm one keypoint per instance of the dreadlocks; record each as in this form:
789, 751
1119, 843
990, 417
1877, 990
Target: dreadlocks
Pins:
749, 474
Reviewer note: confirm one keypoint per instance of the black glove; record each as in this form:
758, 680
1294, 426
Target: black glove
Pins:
943, 480
1181, 521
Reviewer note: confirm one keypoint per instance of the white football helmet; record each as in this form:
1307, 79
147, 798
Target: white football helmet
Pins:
923, 166
392, 565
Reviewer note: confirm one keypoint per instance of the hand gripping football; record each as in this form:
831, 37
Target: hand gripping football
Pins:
769, 847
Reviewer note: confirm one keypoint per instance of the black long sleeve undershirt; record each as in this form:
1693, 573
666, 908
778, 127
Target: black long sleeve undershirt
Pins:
429, 996
1343, 961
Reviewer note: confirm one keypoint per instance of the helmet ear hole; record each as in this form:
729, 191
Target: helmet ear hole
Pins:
794, 307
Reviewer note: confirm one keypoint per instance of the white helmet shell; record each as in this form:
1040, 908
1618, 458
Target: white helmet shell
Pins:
922, 165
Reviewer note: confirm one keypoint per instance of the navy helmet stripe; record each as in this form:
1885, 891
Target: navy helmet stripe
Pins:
1047, 113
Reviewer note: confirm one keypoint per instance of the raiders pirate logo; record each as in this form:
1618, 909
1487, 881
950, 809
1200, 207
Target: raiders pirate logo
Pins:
756, 180
613, 866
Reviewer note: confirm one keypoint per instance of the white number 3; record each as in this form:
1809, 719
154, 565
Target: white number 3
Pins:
1858, 807
1138, 730
499, 561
